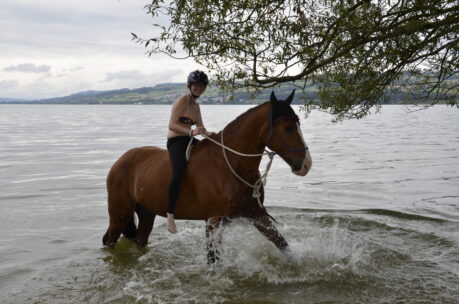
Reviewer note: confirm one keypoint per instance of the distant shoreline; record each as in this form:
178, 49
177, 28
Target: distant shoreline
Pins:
130, 104
203, 103
166, 93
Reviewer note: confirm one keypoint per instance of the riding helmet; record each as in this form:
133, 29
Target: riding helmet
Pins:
198, 77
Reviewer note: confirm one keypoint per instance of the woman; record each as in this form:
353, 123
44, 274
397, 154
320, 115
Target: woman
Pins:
185, 113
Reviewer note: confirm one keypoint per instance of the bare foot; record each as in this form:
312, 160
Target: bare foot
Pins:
171, 224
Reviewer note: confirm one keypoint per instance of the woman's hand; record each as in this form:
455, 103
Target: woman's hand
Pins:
199, 131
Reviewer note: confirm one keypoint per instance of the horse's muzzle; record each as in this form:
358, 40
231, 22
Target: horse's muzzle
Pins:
302, 167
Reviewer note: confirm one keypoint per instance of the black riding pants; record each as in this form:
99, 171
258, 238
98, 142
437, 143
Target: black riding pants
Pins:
177, 150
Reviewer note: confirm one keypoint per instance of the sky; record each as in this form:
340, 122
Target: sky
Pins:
52, 48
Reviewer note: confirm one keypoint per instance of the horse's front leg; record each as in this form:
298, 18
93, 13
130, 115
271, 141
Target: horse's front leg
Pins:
214, 238
265, 225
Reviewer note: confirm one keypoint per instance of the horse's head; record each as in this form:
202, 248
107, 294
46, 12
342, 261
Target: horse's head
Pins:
285, 137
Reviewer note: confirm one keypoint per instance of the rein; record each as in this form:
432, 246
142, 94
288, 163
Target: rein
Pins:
262, 180
257, 185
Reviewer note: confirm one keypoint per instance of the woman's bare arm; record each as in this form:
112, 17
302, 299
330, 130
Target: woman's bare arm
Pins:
177, 108
199, 122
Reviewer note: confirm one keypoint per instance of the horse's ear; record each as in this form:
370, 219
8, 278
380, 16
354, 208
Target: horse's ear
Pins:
273, 98
290, 97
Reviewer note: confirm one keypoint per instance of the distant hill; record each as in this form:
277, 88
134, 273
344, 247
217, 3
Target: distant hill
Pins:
166, 93
147, 95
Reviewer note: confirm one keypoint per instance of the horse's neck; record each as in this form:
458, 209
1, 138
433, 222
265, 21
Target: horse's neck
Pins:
247, 136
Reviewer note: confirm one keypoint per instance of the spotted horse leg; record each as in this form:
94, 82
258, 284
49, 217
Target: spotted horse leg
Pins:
214, 238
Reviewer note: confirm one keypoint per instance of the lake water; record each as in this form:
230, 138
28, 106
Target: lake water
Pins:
376, 220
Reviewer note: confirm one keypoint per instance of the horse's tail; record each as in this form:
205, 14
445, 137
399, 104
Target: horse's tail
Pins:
121, 205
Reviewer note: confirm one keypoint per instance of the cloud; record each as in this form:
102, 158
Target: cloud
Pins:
78, 68
8, 88
136, 78
57, 48
8, 84
125, 75
50, 28
28, 68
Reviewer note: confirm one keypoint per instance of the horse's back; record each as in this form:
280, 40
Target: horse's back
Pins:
144, 173
130, 158
134, 162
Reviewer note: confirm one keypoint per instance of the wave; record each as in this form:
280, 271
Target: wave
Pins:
383, 212
403, 215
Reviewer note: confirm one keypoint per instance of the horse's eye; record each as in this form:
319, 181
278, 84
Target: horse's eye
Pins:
288, 129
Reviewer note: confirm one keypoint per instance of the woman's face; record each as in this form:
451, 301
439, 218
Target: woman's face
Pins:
197, 88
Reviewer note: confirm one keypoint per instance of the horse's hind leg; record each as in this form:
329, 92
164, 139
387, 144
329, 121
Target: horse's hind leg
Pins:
121, 212
146, 220
214, 235
130, 231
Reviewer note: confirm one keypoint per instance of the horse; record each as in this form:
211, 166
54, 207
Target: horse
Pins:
210, 191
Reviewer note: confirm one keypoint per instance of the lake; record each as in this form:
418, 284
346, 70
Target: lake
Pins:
376, 220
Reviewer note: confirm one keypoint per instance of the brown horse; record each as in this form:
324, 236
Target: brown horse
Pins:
138, 181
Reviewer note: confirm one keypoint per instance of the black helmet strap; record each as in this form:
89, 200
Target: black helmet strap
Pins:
194, 96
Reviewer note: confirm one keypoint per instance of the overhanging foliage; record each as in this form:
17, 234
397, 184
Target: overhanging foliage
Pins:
356, 51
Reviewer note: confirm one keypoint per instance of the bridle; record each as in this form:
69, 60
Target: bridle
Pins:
262, 180
272, 135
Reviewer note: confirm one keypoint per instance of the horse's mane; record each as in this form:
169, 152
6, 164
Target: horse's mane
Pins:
237, 121
283, 109
233, 124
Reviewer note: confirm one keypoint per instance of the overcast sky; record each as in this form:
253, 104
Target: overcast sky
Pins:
51, 48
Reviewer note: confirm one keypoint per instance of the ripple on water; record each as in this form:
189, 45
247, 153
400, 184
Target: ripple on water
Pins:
405, 251
329, 261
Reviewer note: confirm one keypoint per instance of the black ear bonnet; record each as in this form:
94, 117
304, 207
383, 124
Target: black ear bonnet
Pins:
281, 108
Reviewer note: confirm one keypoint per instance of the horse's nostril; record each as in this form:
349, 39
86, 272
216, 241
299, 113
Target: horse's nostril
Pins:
297, 165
